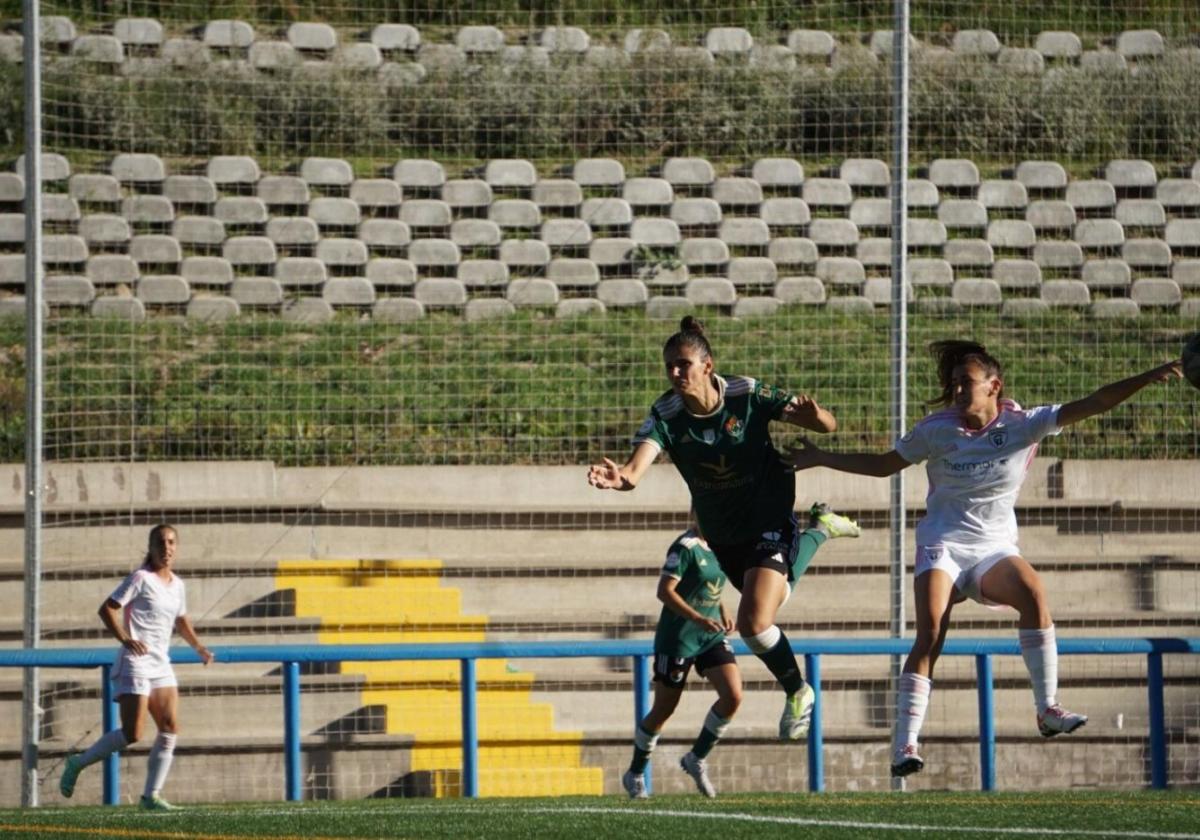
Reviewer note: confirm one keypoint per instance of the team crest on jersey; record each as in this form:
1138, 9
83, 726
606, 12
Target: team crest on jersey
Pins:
998, 437
764, 391
734, 427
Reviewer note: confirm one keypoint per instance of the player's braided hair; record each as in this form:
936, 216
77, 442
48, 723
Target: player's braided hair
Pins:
691, 334
951, 353
157, 541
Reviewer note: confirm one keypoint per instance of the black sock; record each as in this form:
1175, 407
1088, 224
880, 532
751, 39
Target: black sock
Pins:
781, 662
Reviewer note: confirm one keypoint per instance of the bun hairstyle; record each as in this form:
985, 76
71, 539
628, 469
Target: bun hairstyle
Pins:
691, 334
950, 354
157, 541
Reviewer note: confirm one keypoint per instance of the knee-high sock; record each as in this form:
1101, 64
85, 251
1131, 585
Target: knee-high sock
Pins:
160, 763
643, 745
807, 544
1039, 649
912, 701
714, 727
774, 649
106, 745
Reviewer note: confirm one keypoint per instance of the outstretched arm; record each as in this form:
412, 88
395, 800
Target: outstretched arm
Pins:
184, 625
608, 476
804, 412
1115, 393
809, 455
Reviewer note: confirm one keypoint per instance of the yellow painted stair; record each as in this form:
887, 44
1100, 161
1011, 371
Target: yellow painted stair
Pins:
404, 601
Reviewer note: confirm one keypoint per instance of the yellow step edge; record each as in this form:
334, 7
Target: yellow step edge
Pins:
307, 567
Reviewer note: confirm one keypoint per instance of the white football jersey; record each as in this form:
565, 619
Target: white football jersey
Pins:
150, 606
975, 475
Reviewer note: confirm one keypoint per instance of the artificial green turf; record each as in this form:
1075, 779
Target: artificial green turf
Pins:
1061, 814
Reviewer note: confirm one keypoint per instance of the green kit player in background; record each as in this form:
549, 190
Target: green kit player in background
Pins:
716, 431
691, 631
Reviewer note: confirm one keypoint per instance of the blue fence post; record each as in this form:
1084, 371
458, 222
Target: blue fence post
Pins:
470, 730
109, 720
641, 700
987, 722
816, 741
291, 730
1158, 721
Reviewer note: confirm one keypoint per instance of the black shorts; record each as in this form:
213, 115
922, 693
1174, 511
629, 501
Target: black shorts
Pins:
770, 550
673, 670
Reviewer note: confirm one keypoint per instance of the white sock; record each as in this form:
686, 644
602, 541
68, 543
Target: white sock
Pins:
1040, 652
160, 763
106, 745
912, 701
644, 740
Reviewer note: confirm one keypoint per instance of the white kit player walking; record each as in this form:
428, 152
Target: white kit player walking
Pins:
154, 605
977, 451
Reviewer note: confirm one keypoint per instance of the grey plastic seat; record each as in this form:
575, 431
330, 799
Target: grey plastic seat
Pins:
1183, 233
811, 44
1139, 44
206, 271
728, 41
426, 213
375, 193
792, 251
163, 290
1131, 174
646, 40
1052, 215
929, 271
752, 271
611, 251
925, 233
1054, 44
559, 194
483, 274
655, 232
190, 190
282, 190
148, 209
1114, 308
57, 30
622, 293
326, 172
688, 172
1021, 61
976, 292
419, 174
249, 251
865, 172
329, 212
98, 49
396, 37
233, 170
99, 189
827, 192
348, 291
256, 291
785, 212
1066, 293
509, 173
63, 249
743, 231
568, 272
871, 213
397, 310
703, 251
710, 291
301, 272
434, 253
529, 292
475, 233
1017, 274
1187, 274
138, 168
969, 253
479, 39
1091, 195
568, 233
55, 167
954, 173
526, 253
606, 212
692, 212
648, 192
1041, 175
204, 231
1155, 291
392, 273
104, 229
467, 193
982, 42
1058, 255
598, 172
273, 55
241, 210
1004, 195
57, 207
293, 230
874, 251
834, 232
800, 290
921, 194
312, 37
778, 173
67, 290
841, 271
519, 213
1107, 274
1146, 253
960, 213
1099, 233
228, 34
1011, 233
565, 39
111, 269
737, 192
384, 233
185, 53
155, 249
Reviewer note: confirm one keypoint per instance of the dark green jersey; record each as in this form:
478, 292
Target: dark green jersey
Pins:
701, 580
739, 487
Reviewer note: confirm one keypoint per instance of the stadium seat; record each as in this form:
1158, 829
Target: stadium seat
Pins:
249, 251
756, 307
307, 310
212, 308
710, 291
343, 252
579, 307
1107, 275
426, 213
1146, 253
728, 41
778, 173
358, 57
397, 310
62, 249
515, 213
348, 291
1066, 293
477, 233
419, 174
959, 213
155, 250
1005, 195
1051, 215
878, 290
302, 272
833, 232
111, 269
954, 173
1040, 176
557, 194
283, 190
1017, 274
185, 53
163, 290
326, 172
981, 42
334, 213
1187, 274
387, 233
976, 292
529, 292
606, 212
785, 212
104, 50
526, 254
645, 40
1114, 308
569, 233
811, 44
256, 291
479, 39
598, 172
871, 213
1056, 44
874, 251
850, 305
239, 211
486, 309
688, 172
67, 290
293, 230
1140, 44
703, 251
748, 232
610, 251
648, 192
1143, 213
1155, 292
840, 271
483, 274
57, 207
1183, 234
736, 192
695, 212
189, 190
228, 34
1030, 308
622, 293
467, 194
375, 193
104, 229
1091, 195
308, 37
969, 253
1057, 254
396, 37
100, 189
118, 308
1131, 174
57, 31
655, 232
921, 194
827, 192
440, 292
273, 55
925, 233
866, 173
929, 271
572, 273
752, 271
233, 171
139, 168
206, 271
1099, 233
199, 231
510, 173
391, 272
800, 289
565, 39
55, 167
1020, 61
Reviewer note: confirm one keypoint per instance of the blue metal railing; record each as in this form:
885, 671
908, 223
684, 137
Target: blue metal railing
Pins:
290, 656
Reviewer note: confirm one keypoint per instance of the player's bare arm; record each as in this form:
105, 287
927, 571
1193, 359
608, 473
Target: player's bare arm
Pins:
608, 476
183, 625
804, 412
1115, 393
807, 455
110, 615
672, 601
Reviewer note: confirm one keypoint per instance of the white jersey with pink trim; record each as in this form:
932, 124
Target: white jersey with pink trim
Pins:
150, 607
975, 475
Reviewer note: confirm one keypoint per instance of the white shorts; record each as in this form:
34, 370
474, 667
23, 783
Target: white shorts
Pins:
138, 684
966, 564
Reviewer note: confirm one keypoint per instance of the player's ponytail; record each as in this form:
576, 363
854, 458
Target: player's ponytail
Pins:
951, 353
157, 542
691, 334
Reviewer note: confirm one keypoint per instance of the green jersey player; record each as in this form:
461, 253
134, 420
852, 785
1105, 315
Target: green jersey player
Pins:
716, 431
691, 631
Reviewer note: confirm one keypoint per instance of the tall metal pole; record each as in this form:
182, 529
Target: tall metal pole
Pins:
31, 626
899, 321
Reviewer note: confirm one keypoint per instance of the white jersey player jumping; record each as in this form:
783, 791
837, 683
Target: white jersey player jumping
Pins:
976, 450
154, 605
